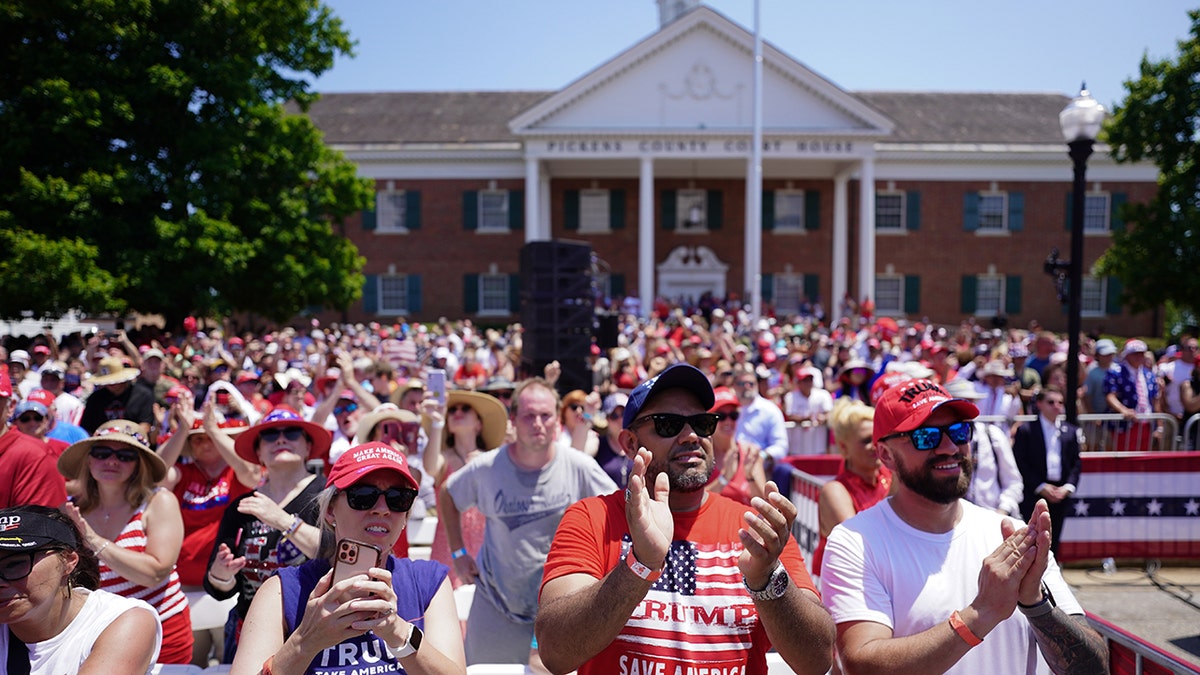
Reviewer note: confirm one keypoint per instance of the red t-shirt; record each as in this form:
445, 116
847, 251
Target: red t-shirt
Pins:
202, 500
698, 614
29, 472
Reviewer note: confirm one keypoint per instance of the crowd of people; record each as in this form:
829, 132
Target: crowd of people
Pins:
210, 477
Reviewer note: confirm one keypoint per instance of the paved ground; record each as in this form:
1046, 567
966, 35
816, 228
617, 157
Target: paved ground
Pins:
1166, 613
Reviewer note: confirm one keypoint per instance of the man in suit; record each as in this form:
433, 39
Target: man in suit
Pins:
1047, 455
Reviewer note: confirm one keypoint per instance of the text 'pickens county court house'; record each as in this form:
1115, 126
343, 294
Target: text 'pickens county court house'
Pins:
938, 206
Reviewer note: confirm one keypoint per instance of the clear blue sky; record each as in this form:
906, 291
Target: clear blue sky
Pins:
896, 45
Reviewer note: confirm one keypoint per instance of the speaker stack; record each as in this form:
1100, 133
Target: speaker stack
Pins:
558, 310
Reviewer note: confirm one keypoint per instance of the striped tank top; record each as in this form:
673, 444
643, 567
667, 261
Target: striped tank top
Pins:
167, 597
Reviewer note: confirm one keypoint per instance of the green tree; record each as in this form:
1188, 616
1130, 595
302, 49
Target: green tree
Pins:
149, 163
1158, 255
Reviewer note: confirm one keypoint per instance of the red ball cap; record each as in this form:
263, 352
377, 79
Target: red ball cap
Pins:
907, 405
362, 460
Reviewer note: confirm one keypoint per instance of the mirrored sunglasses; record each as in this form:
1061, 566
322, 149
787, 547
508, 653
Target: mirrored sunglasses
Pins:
928, 438
344, 409
668, 425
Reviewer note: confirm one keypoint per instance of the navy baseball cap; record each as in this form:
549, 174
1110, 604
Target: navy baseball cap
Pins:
24, 529
681, 376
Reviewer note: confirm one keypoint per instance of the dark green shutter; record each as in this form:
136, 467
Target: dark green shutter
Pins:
616, 285
1070, 209
969, 284
1116, 201
368, 219
516, 210
412, 210
1012, 294
812, 287
371, 294
514, 293
471, 293
912, 294
470, 210
812, 210
715, 205
971, 217
667, 208
768, 287
1016, 212
1114, 296
414, 293
768, 210
912, 210
571, 210
616, 209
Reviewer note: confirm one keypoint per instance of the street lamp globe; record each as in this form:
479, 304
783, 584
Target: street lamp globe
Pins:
1081, 119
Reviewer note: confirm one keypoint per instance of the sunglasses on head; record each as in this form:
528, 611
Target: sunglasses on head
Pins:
103, 452
18, 566
928, 438
364, 497
342, 409
30, 417
272, 435
668, 425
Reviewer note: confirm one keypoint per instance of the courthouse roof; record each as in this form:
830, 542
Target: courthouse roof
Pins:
470, 117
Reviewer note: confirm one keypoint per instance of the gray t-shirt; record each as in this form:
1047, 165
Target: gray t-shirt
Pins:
523, 509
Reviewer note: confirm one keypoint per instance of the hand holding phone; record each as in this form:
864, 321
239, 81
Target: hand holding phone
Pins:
437, 385
354, 558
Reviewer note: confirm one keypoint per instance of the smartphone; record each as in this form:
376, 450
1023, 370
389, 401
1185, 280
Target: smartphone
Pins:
355, 558
437, 385
222, 398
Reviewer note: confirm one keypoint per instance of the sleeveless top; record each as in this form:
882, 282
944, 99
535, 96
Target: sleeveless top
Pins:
862, 494
415, 583
167, 597
66, 652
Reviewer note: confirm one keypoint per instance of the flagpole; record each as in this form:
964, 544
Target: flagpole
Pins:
754, 220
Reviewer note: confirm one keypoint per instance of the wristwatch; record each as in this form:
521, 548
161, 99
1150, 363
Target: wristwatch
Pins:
410, 646
776, 585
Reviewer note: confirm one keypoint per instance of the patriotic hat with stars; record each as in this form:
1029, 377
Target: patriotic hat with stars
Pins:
678, 376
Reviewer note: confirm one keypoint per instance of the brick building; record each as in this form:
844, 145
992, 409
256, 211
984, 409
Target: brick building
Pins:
937, 205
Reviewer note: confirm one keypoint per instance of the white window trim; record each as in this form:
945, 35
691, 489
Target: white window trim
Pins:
394, 228
507, 292
791, 230
1107, 231
1003, 230
683, 205
796, 282
604, 227
885, 311
507, 207
988, 313
382, 311
903, 228
1103, 311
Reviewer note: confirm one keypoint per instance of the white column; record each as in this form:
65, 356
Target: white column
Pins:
754, 184
646, 236
841, 244
866, 230
533, 201
544, 206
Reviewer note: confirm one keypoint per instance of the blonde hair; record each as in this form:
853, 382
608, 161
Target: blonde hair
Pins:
847, 416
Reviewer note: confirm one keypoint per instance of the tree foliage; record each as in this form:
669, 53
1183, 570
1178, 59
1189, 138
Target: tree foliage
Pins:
149, 163
1158, 255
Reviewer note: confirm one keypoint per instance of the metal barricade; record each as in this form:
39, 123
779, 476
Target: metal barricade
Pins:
1191, 433
806, 491
1131, 655
1103, 431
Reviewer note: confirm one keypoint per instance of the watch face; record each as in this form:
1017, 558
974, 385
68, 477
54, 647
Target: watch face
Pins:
414, 640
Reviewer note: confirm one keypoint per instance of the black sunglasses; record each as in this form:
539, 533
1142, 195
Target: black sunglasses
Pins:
461, 407
669, 425
30, 417
272, 435
103, 452
364, 497
18, 566
928, 438
730, 415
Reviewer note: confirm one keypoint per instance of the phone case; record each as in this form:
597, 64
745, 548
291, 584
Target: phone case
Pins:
437, 385
354, 558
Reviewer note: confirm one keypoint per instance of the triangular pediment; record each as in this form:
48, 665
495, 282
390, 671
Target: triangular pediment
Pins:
697, 75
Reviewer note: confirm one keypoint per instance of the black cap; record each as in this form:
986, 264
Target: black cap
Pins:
22, 529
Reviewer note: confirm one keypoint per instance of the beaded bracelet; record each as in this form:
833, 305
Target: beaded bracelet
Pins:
296, 523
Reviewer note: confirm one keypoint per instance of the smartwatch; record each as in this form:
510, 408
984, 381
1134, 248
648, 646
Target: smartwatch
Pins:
411, 645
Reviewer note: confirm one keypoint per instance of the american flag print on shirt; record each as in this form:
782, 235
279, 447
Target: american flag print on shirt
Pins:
697, 617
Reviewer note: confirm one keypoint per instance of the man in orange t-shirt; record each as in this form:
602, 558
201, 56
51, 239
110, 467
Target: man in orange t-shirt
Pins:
669, 577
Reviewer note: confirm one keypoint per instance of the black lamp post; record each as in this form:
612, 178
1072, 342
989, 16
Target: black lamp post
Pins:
1080, 122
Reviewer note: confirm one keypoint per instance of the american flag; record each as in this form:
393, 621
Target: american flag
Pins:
697, 612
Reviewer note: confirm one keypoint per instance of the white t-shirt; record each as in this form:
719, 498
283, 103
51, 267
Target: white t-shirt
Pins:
1177, 372
878, 568
66, 652
808, 440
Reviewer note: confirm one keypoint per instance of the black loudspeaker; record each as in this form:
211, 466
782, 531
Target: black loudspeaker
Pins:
607, 330
558, 310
